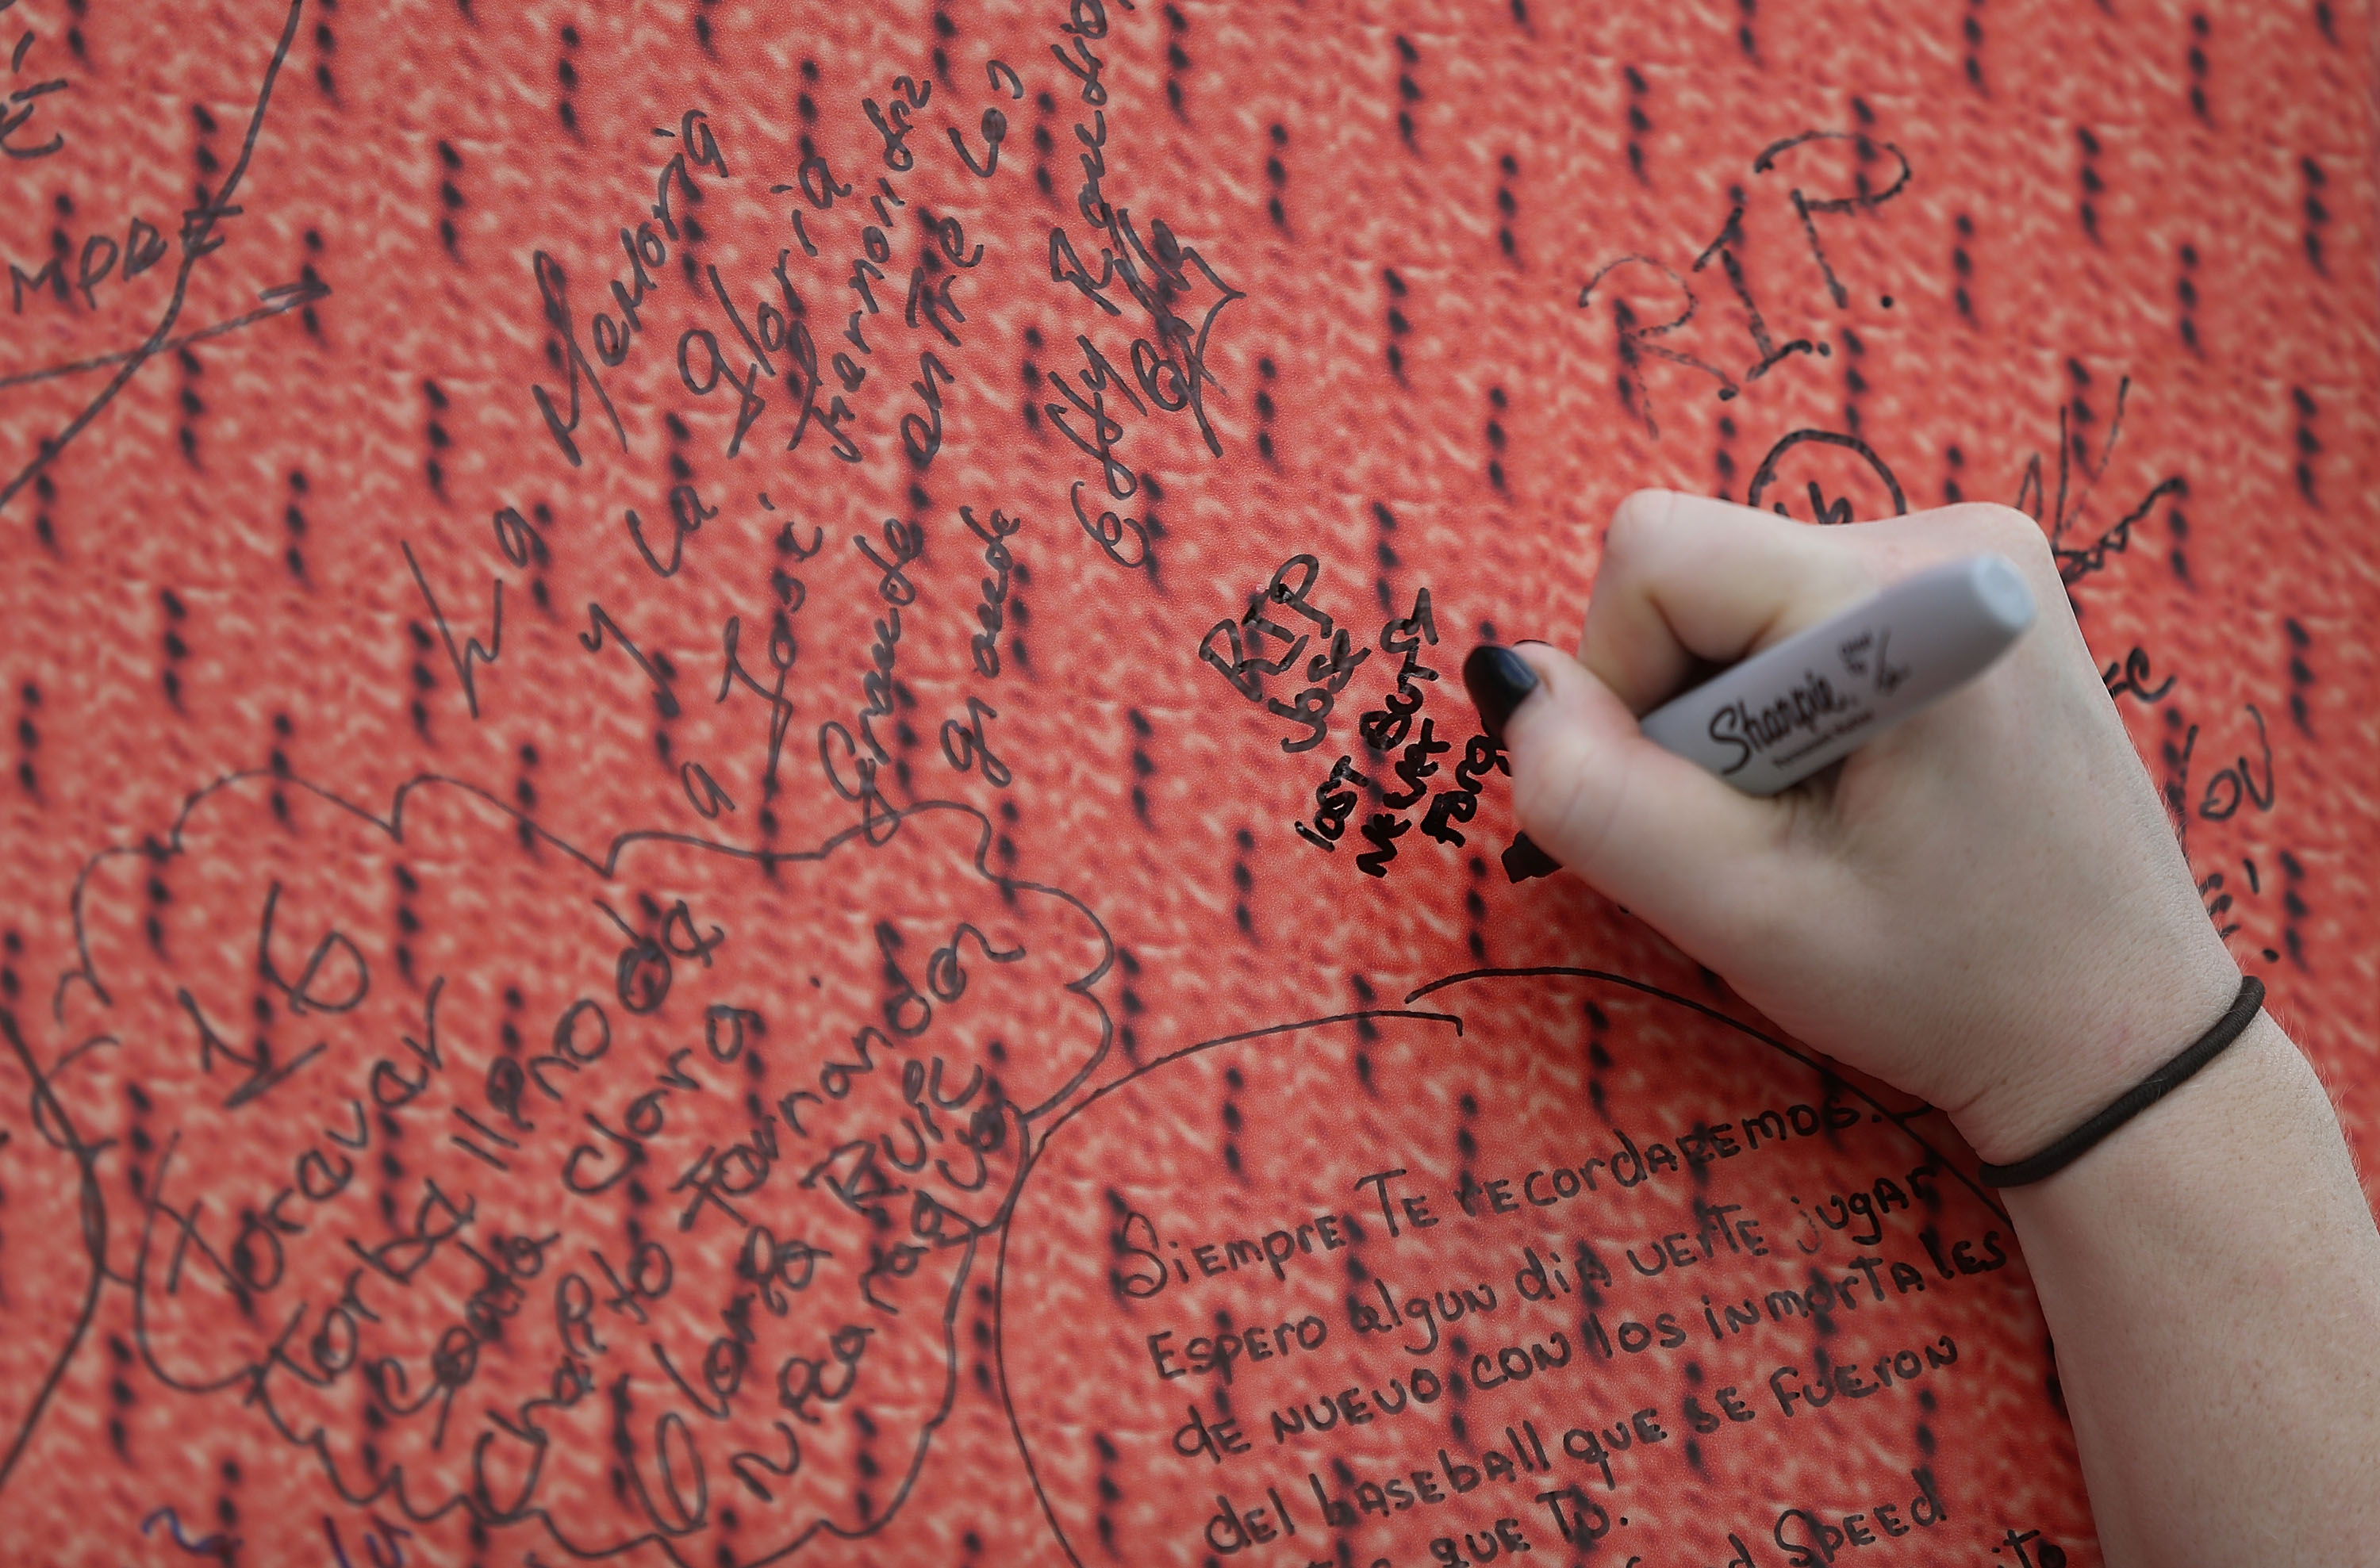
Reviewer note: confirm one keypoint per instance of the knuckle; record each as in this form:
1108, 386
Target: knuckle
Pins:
1632, 528
2006, 528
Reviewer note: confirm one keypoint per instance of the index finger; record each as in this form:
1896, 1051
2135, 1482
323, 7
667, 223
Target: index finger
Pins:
1686, 579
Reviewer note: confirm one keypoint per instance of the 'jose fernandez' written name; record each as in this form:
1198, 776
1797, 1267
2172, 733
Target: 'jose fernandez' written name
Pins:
1803, 708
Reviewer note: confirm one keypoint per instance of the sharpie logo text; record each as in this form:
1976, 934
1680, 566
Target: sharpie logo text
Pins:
1752, 731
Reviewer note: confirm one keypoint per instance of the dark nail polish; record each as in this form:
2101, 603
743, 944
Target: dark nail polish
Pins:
1525, 860
1499, 680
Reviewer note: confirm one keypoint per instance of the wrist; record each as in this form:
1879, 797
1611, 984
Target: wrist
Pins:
2070, 1071
2184, 1151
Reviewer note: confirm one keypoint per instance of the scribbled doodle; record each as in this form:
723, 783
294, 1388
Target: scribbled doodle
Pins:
695, 1220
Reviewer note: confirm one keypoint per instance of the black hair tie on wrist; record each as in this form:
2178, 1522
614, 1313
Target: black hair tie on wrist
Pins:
2138, 1098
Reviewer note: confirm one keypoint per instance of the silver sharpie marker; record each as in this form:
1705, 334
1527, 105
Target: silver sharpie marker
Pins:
1773, 720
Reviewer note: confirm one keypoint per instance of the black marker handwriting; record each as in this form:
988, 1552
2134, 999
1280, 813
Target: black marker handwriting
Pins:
197, 239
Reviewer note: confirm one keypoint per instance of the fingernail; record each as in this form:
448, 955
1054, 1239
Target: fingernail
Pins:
1499, 680
1525, 860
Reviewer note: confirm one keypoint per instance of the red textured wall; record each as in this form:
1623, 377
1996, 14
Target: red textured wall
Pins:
440, 1115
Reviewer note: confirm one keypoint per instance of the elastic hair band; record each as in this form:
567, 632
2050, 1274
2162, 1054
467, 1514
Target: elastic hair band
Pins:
2138, 1098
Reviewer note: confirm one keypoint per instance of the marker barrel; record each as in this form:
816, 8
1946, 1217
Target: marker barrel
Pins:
1774, 720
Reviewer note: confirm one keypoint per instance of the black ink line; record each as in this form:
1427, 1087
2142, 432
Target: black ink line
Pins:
279, 300
93, 1205
198, 226
1000, 1268
208, 1546
606, 864
1983, 1194
1767, 471
2073, 565
69, 1059
473, 651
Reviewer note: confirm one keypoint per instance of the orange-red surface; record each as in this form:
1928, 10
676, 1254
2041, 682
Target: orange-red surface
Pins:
440, 1118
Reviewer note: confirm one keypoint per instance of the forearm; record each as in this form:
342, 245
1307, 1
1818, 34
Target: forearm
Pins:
2210, 1271
2211, 1276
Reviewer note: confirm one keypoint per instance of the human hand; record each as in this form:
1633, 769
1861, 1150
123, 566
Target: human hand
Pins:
1985, 905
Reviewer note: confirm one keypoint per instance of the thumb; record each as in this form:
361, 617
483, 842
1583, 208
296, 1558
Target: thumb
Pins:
1645, 827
